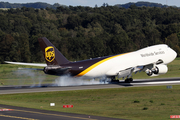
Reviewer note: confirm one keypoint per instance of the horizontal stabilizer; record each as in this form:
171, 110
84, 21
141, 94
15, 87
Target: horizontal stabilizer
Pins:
30, 64
30, 69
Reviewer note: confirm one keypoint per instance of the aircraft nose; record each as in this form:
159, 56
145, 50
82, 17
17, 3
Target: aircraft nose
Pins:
173, 54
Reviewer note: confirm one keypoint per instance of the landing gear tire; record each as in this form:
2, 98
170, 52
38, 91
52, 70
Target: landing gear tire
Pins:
113, 80
128, 80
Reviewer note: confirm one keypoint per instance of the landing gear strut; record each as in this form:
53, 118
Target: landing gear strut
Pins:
128, 80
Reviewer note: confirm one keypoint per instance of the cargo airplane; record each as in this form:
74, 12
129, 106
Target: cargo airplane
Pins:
153, 60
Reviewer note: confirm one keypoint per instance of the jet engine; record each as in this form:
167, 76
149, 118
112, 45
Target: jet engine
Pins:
55, 70
158, 69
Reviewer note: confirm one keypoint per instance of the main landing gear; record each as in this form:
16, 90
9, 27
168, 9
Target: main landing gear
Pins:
114, 80
127, 80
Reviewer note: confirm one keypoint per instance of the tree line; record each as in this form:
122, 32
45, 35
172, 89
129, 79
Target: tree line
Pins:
85, 32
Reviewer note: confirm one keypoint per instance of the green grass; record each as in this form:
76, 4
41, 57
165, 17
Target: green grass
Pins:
137, 103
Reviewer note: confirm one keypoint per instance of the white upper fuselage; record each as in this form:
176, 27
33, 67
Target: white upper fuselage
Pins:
149, 55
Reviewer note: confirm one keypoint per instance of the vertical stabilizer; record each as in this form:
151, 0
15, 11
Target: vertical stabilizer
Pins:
51, 54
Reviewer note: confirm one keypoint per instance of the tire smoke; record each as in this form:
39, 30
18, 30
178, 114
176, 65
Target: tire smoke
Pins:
29, 77
35, 78
75, 81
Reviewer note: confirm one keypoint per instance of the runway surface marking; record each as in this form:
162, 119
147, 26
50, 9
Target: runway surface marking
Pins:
23, 118
10, 116
42, 114
163, 82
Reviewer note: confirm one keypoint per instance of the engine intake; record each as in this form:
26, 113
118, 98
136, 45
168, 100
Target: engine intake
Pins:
161, 69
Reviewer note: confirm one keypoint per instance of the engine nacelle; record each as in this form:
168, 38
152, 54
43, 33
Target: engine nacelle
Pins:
55, 70
159, 69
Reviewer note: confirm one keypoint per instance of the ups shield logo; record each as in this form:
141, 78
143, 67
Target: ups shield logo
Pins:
49, 53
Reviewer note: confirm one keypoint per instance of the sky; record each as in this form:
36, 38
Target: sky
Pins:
92, 3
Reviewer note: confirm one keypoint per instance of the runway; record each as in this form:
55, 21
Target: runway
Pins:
50, 88
20, 113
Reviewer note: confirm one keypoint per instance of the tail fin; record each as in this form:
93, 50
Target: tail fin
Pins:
51, 54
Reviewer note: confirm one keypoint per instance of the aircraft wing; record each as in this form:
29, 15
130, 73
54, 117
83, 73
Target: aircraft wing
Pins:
129, 71
138, 69
53, 70
30, 64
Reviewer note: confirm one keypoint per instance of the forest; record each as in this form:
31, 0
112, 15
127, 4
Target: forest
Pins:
85, 32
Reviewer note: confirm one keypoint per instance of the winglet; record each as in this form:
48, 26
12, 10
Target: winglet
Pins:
51, 54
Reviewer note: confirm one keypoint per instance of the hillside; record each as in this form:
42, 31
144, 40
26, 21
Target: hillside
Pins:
28, 5
54, 6
141, 4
